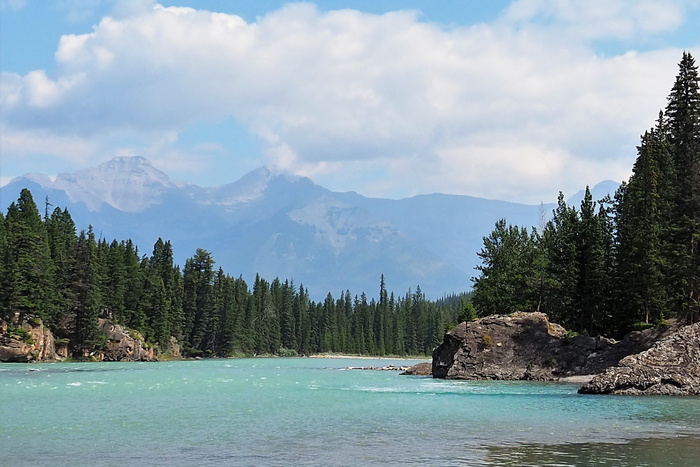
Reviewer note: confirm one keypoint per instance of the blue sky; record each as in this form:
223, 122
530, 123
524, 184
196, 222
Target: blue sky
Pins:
513, 100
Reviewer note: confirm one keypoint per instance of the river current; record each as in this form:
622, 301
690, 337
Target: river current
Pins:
311, 411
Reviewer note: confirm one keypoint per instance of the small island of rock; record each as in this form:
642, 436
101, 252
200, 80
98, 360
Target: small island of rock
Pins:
527, 346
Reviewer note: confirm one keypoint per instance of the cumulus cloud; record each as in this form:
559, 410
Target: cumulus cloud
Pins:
517, 109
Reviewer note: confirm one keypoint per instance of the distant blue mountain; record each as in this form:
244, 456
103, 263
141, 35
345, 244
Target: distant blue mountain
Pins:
285, 226
598, 192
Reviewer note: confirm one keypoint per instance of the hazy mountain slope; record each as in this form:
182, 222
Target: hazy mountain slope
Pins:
126, 183
452, 226
285, 226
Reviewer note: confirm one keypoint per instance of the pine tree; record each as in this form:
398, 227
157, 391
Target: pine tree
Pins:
5, 283
560, 244
133, 272
86, 293
161, 283
642, 221
28, 267
198, 276
62, 238
229, 306
505, 284
246, 337
683, 126
411, 324
266, 330
284, 302
302, 321
344, 312
241, 296
382, 318
593, 275
327, 325
116, 282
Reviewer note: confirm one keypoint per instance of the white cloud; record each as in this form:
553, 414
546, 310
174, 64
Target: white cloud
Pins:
17, 144
519, 108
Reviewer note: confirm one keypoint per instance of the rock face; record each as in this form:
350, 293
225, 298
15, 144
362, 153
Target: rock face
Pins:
526, 346
670, 367
123, 345
35, 343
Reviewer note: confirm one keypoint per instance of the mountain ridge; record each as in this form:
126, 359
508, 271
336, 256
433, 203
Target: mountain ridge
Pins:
286, 226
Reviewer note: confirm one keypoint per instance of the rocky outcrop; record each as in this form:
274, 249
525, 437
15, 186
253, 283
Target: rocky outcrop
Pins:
526, 346
30, 342
419, 369
390, 367
670, 367
123, 345
33, 342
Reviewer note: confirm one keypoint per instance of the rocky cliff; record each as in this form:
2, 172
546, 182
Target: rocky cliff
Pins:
670, 367
33, 342
526, 346
29, 342
123, 345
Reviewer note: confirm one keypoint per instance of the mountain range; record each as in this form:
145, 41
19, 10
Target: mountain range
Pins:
286, 226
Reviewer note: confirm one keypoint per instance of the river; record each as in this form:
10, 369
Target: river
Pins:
308, 411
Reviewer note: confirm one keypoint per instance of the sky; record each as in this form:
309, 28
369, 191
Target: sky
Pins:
512, 100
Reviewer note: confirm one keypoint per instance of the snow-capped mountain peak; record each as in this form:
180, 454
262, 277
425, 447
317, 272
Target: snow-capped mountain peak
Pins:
250, 187
128, 184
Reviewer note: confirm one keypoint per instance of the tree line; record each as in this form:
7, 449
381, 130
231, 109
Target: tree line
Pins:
69, 280
619, 263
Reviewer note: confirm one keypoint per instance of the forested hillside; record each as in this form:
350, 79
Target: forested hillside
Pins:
615, 264
69, 280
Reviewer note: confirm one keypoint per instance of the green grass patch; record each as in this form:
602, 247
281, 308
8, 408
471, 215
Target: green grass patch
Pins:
20, 334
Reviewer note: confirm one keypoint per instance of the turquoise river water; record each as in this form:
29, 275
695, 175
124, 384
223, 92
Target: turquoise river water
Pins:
309, 411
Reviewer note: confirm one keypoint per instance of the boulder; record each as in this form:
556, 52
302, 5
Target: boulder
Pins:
14, 351
123, 345
670, 367
526, 346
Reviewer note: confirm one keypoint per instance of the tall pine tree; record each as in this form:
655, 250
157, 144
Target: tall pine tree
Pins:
86, 294
28, 272
683, 127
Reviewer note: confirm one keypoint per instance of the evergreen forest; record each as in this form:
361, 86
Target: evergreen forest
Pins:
613, 265
69, 280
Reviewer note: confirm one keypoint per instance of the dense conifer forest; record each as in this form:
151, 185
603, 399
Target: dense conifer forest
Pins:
616, 264
69, 280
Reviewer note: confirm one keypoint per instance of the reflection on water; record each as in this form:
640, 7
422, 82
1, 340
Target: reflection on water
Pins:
652, 452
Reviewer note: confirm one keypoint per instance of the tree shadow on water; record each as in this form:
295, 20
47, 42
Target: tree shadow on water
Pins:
681, 451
